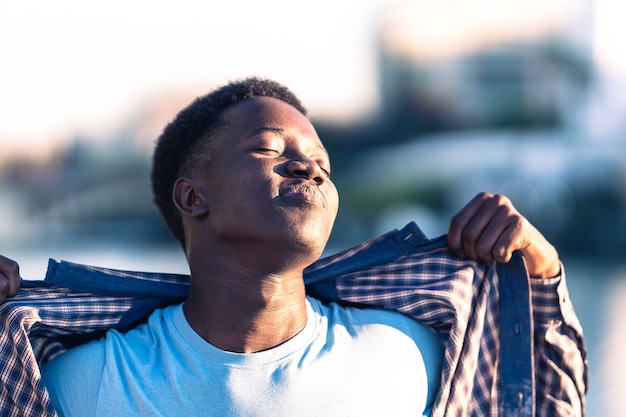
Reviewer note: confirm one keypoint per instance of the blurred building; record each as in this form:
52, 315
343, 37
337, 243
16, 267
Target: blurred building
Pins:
488, 96
450, 65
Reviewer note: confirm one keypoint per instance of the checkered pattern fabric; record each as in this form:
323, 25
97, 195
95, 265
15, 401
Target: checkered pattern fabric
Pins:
513, 346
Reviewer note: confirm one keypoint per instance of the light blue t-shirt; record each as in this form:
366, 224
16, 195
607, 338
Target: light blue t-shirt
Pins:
345, 362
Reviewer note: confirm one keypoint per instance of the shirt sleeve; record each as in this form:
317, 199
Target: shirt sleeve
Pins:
560, 354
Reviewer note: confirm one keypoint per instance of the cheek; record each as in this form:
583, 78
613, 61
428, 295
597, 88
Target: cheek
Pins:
244, 182
333, 199
246, 197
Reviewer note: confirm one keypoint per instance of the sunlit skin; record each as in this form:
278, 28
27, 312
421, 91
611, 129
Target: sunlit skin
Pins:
262, 209
261, 213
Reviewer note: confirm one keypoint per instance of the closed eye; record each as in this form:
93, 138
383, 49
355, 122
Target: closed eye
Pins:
325, 171
267, 151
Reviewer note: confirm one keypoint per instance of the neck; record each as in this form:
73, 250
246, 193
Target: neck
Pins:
246, 311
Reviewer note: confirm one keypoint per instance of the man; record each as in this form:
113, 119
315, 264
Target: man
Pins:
244, 184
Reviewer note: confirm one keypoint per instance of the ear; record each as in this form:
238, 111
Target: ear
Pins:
189, 198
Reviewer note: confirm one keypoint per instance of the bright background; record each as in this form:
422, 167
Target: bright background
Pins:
76, 67
423, 103
82, 67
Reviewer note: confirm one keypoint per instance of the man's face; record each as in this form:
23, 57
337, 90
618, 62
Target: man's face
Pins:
269, 178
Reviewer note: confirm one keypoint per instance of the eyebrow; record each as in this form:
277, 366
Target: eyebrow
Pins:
264, 129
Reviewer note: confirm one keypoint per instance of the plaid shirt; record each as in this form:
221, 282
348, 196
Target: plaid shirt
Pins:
513, 345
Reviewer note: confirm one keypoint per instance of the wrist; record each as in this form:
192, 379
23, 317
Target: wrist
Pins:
552, 272
542, 262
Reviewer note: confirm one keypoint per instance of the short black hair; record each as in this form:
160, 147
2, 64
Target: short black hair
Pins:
190, 132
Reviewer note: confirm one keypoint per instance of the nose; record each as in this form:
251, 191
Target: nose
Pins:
305, 168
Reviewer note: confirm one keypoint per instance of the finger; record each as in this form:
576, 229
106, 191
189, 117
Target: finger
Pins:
510, 239
481, 233
499, 243
460, 220
481, 230
10, 279
505, 232
4, 287
497, 224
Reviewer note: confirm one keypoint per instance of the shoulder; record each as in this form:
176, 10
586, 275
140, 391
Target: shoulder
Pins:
365, 317
73, 379
393, 345
388, 326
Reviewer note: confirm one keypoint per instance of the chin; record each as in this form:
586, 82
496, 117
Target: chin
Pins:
311, 247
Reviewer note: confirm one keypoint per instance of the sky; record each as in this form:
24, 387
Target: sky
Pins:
72, 66
78, 68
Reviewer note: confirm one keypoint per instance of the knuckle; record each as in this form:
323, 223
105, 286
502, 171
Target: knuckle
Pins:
484, 195
500, 253
5, 286
455, 222
12, 268
483, 252
472, 232
517, 224
467, 237
502, 200
10, 280
452, 242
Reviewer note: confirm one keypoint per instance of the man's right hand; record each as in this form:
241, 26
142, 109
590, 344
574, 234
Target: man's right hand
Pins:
10, 279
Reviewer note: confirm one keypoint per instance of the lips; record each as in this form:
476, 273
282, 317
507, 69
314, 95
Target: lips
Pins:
303, 194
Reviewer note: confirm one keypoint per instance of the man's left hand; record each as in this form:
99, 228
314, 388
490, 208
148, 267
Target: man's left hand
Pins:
489, 228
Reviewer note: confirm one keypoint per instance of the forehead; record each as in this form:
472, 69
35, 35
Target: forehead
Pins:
259, 114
